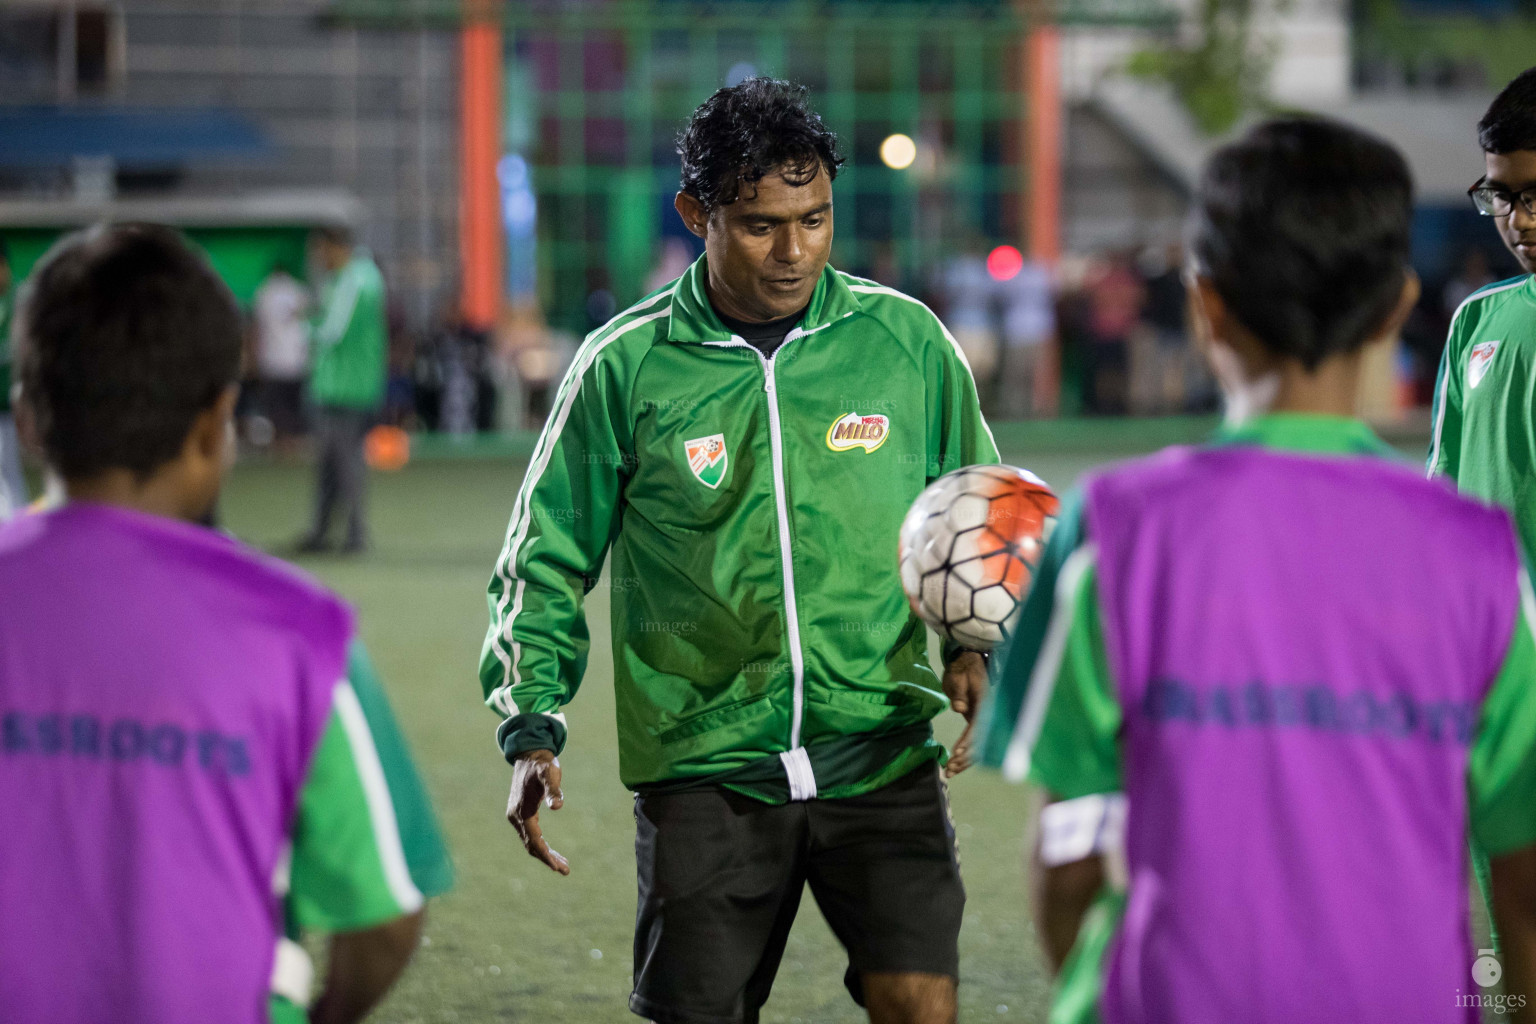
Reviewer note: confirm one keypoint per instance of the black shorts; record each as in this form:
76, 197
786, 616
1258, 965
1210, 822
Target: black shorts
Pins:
721, 876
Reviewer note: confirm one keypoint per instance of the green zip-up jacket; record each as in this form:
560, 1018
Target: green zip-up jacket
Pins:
761, 638
350, 338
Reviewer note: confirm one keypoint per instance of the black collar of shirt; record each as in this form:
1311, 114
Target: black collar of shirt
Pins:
765, 337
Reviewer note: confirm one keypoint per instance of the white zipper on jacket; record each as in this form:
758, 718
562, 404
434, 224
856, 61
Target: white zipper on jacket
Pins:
797, 764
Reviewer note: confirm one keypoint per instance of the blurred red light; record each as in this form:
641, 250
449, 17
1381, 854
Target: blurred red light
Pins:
1004, 263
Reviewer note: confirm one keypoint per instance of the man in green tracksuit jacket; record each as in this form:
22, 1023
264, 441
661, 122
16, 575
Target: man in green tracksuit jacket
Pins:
747, 441
346, 384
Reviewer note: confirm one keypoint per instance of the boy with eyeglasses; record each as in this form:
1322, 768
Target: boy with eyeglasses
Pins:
1485, 420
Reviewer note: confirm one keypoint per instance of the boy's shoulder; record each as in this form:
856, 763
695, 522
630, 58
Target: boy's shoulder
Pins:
1476, 308
1189, 475
232, 578
366, 269
267, 587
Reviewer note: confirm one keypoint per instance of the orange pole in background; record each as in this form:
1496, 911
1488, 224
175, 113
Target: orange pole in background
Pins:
481, 270
1042, 57
1042, 179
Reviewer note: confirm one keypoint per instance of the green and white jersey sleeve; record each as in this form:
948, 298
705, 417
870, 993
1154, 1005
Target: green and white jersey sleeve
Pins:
426, 852
361, 809
1013, 669
1068, 735
563, 521
1484, 420
1501, 772
1068, 742
1445, 408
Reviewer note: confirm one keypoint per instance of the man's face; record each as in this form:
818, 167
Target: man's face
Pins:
1514, 172
328, 254
768, 248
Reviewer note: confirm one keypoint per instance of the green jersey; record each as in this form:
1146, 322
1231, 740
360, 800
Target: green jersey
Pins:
366, 845
761, 639
351, 339
1484, 409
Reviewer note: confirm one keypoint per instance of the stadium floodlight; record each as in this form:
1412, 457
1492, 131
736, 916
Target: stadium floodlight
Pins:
898, 151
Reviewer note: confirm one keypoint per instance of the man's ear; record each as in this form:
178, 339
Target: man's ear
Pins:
695, 217
1406, 300
212, 435
1207, 312
26, 424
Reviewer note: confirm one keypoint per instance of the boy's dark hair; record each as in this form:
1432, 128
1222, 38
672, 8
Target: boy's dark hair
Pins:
1510, 123
746, 131
1303, 227
126, 335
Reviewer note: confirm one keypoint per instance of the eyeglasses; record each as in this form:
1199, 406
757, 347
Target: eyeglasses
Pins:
1492, 201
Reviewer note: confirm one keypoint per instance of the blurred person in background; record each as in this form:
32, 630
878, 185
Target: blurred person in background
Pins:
1173, 362
1115, 296
531, 357
463, 353
350, 352
13, 485
1029, 326
430, 363
212, 756
969, 312
279, 321
399, 387
1471, 274
1072, 274
673, 257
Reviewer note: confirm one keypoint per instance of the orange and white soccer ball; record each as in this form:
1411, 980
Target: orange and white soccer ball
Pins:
969, 548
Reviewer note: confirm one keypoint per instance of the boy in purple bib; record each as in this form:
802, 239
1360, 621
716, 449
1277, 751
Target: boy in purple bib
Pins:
1308, 671
189, 748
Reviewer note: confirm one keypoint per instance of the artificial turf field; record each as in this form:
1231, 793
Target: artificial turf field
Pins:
513, 941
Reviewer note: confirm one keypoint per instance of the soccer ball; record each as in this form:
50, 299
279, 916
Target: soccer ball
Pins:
969, 548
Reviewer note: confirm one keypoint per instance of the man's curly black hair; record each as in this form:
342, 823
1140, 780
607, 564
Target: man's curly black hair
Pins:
746, 131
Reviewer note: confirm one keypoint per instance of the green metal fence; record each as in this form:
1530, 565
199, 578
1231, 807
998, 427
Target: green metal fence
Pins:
608, 101
598, 91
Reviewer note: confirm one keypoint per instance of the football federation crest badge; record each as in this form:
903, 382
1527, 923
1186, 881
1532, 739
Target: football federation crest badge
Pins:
1477, 362
856, 431
708, 458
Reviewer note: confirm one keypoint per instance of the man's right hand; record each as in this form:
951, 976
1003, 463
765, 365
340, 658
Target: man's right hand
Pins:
536, 780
